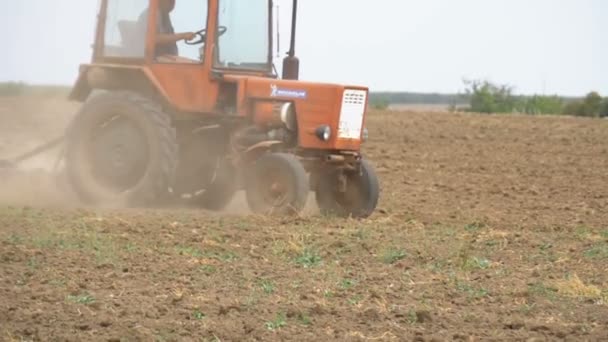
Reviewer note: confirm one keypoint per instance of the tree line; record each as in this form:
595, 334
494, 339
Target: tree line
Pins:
482, 96
486, 97
479, 97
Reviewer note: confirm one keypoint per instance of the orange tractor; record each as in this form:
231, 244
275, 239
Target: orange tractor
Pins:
170, 116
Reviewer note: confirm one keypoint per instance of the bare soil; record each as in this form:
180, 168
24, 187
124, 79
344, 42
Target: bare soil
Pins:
489, 228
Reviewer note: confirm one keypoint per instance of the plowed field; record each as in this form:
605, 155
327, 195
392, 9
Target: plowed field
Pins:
489, 228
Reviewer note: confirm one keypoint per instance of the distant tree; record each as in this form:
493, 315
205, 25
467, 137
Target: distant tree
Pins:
486, 97
592, 105
573, 108
380, 103
538, 104
604, 110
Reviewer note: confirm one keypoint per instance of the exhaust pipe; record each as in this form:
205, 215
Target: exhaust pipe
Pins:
291, 63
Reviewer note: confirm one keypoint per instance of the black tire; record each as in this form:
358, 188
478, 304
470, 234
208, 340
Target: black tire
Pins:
221, 191
284, 171
359, 200
141, 168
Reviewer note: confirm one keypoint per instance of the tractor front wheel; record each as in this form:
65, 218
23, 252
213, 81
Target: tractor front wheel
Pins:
357, 197
277, 185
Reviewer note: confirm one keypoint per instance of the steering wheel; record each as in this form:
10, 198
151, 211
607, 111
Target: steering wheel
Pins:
202, 34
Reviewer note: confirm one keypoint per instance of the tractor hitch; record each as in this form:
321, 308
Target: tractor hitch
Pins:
12, 164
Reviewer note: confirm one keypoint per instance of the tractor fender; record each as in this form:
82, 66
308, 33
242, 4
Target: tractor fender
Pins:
138, 79
256, 151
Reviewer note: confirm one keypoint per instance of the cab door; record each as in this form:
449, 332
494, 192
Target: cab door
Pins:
185, 77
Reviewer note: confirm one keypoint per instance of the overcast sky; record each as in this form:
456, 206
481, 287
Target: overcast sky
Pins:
538, 46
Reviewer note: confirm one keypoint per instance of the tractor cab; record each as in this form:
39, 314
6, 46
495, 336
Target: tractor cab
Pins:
222, 34
185, 48
190, 102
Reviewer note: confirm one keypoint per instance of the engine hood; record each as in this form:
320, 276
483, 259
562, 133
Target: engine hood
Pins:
341, 107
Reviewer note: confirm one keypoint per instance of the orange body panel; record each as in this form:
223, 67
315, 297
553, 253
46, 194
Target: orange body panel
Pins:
321, 106
187, 86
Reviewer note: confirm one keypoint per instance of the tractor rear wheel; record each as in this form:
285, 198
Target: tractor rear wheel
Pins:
359, 197
277, 185
121, 149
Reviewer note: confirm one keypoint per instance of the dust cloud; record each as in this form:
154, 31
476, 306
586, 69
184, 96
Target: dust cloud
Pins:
27, 122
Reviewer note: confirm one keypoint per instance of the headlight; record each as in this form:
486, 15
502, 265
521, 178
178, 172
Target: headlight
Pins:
323, 133
288, 116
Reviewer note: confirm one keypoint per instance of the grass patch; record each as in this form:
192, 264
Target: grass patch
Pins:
542, 290
131, 248
474, 227
582, 233
444, 231
599, 251
573, 287
208, 269
546, 252
304, 319
278, 248
546, 246
84, 299
14, 239
361, 234
347, 284
197, 253
475, 263
355, 300
198, 315
224, 256
393, 255
267, 286
471, 291
279, 322
412, 317
492, 243
189, 251
438, 266
33, 263
308, 258
81, 235
165, 336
